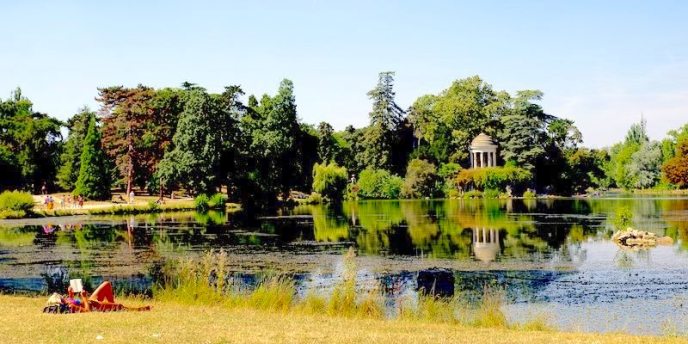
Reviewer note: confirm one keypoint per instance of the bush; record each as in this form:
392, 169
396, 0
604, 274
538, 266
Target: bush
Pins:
491, 193
154, 207
314, 198
421, 180
497, 178
473, 194
529, 194
16, 200
329, 180
448, 173
379, 184
217, 201
201, 202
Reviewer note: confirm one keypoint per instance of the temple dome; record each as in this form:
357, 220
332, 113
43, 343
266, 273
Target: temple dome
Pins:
483, 140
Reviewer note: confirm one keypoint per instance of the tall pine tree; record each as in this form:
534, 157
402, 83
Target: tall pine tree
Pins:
94, 176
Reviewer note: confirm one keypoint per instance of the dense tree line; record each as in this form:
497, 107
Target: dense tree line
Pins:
257, 149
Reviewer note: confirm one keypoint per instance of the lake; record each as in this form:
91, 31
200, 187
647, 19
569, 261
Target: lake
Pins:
553, 258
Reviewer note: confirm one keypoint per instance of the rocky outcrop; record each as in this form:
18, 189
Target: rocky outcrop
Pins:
633, 238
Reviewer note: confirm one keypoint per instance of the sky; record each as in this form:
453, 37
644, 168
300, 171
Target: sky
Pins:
603, 64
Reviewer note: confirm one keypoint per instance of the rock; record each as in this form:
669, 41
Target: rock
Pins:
665, 241
632, 238
436, 282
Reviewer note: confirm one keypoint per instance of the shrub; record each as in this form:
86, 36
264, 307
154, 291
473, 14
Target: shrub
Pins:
329, 180
623, 218
448, 173
314, 198
201, 202
473, 194
379, 184
529, 194
154, 207
217, 201
497, 178
16, 200
421, 180
491, 193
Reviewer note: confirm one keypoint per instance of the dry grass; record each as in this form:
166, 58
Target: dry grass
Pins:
23, 322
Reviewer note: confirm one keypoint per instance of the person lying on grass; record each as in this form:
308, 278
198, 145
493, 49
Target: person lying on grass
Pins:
102, 300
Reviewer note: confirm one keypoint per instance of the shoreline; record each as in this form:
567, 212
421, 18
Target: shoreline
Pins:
213, 324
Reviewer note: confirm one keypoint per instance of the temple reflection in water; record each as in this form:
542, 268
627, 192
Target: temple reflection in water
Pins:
485, 244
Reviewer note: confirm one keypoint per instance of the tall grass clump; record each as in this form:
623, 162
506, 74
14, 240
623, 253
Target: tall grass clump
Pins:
489, 312
16, 201
201, 202
217, 201
344, 301
193, 281
274, 294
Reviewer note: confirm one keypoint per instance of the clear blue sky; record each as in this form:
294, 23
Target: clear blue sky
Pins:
600, 63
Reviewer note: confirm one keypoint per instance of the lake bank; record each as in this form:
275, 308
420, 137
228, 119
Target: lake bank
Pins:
141, 205
219, 325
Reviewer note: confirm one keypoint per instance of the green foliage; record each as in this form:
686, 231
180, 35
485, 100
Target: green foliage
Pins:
11, 173
523, 137
330, 181
197, 146
421, 180
328, 147
30, 143
529, 194
94, 176
473, 194
201, 202
16, 201
449, 121
381, 137
70, 159
217, 201
635, 162
491, 193
379, 184
448, 173
495, 178
623, 218
644, 168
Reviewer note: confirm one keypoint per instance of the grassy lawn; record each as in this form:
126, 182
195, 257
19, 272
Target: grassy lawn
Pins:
22, 322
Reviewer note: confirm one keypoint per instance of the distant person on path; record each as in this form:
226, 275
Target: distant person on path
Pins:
81, 201
131, 197
44, 189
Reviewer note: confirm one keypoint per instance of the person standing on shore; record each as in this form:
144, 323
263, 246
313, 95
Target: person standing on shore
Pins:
131, 197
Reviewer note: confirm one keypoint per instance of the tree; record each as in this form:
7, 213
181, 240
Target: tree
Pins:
379, 184
34, 140
94, 177
195, 159
70, 159
468, 107
126, 114
421, 180
645, 165
524, 137
676, 168
330, 180
274, 138
327, 144
386, 116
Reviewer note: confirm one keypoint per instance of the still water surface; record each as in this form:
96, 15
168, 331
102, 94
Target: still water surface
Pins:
553, 257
